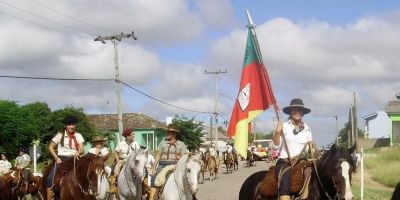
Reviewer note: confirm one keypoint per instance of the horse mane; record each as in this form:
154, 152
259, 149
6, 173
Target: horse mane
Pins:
334, 154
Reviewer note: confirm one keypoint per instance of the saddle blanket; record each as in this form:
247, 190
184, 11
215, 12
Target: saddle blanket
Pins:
161, 176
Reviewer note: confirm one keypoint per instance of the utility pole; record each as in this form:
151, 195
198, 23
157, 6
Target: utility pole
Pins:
216, 73
352, 126
337, 133
355, 118
115, 39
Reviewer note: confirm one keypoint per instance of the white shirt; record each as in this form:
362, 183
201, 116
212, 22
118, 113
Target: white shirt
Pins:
295, 142
229, 148
103, 151
5, 166
124, 148
66, 150
21, 160
213, 151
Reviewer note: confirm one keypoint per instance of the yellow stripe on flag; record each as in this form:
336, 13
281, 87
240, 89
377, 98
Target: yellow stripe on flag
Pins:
242, 133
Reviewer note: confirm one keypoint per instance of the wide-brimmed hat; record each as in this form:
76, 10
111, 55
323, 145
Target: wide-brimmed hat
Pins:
24, 149
98, 139
296, 103
70, 119
127, 132
173, 130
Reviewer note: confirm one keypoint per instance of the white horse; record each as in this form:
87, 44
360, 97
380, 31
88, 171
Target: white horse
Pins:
131, 176
183, 182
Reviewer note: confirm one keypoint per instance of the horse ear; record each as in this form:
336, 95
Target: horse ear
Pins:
352, 149
333, 148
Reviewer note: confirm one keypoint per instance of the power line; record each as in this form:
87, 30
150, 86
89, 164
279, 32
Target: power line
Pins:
163, 102
44, 18
56, 79
68, 16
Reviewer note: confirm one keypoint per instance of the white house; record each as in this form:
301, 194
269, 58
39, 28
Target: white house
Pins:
377, 125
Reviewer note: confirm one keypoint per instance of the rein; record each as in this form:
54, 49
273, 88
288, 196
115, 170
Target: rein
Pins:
337, 195
87, 177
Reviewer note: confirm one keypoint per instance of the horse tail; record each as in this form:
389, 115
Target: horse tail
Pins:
249, 189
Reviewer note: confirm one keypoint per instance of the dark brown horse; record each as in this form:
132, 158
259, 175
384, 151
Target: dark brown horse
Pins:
32, 187
331, 180
229, 162
5, 186
82, 181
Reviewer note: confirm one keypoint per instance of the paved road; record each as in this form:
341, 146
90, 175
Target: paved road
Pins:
227, 186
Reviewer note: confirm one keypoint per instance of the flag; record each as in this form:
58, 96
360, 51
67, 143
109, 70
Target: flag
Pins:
255, 93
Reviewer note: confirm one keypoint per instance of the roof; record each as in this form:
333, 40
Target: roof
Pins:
370, 116
393, 107
130, 120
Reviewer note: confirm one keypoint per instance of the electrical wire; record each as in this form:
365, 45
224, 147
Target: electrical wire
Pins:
163, 102
56, 79
68, 16
44, 18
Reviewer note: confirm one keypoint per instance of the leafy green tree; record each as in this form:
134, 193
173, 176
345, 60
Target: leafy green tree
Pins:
191, 131
343, 134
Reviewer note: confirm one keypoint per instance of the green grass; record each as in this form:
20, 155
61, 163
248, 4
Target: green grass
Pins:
370, 194
384, 166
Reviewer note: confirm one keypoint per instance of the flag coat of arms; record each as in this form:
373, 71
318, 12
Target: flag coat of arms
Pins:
255, 93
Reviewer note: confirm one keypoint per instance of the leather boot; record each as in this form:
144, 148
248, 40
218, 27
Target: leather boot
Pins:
284, 197
113, 185
50, 194
153, 192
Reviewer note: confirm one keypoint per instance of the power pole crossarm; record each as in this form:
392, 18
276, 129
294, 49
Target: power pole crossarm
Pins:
115, 39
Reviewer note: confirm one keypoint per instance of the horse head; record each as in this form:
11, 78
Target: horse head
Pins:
94, 173
192, 171
136, 163
335, 168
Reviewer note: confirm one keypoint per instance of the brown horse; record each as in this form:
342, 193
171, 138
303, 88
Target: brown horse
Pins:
229, 162
32, 187
212, 166
5, 186
82, 181
203, 163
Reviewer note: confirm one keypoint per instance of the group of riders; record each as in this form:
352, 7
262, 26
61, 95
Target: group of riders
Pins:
69, 144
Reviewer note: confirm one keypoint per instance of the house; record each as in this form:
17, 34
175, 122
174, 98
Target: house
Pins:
393, 111
148, 131
377, 125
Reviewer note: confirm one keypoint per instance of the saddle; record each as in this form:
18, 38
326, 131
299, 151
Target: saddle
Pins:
161, 176
301, 175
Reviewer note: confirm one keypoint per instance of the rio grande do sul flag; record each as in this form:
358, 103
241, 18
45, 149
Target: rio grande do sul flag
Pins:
255, 93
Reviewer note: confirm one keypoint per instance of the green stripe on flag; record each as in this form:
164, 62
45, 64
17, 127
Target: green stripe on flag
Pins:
250, 55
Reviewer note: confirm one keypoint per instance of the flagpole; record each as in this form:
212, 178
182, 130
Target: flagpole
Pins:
258, 53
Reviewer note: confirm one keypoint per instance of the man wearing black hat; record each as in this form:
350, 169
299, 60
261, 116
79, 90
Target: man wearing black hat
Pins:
297, 134
69, 145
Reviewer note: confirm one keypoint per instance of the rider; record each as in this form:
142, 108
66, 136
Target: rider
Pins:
69, 145
213, 150
122, 151
229, 150
5, 165
297, 134
98, 148
169, 152
22, 162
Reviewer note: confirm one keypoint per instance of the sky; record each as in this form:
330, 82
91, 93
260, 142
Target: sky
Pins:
320, 51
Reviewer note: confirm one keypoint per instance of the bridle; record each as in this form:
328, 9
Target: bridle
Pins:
85, 192
337, 195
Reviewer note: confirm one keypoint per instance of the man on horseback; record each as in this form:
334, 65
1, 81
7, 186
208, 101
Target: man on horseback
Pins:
122, 151
229, 150
69, 145
98, 148
5, 165
168, 153
297, 134
22, 162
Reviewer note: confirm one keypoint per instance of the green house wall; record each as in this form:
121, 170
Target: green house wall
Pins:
393, 118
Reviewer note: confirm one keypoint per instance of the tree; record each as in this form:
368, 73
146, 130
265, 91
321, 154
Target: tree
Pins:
191, 131
343, 134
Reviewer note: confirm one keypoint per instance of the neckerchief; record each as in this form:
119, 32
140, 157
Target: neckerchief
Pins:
73, 138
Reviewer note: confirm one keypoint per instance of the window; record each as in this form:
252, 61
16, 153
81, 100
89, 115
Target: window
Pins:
396, 131
150, 140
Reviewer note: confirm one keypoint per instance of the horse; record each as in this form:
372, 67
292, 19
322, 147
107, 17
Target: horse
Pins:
132, 174
183, 182
235, 160
228, 161
84, 177
203, 164
212, 166
330, 178
33, 187
5, 186
396, 192
250, 159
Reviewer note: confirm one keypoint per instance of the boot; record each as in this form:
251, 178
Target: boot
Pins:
284, 197
153, 192
50, 194
113, 185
